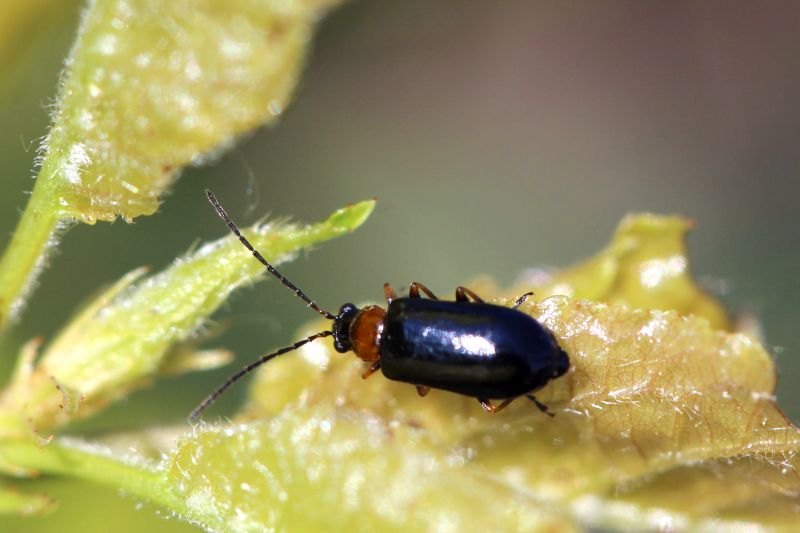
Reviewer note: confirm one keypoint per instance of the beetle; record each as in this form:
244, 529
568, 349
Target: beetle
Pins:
465, 346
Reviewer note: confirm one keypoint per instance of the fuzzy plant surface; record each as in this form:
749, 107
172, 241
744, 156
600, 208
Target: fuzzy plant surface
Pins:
666, 418
149, 88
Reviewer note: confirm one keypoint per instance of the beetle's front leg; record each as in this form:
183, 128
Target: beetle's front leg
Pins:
388, 292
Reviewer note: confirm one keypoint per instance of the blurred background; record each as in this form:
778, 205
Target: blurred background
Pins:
498, 137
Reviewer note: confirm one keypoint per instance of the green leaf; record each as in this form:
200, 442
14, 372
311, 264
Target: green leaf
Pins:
645, 265
322, 468
151, 87
129, 334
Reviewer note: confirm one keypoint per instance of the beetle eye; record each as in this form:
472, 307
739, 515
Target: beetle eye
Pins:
347, 309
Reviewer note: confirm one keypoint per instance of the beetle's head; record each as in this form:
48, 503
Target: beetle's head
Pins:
341, 328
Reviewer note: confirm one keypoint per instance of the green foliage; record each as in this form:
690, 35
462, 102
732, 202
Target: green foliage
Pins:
136, 329
123, 339
149, 90
322, 467
645, 265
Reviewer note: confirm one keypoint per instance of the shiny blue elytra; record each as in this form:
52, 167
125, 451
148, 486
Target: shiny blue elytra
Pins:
476, 349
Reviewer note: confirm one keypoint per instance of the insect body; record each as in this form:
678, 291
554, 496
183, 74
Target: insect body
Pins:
468, 347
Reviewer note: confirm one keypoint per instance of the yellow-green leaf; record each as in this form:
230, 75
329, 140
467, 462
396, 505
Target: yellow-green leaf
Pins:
122, 339
150, 87
645, 265
320, 468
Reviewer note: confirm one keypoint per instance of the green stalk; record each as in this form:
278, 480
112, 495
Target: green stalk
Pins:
26, 253
60, 459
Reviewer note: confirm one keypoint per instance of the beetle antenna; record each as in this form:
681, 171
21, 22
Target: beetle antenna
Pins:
211, 398
271, 269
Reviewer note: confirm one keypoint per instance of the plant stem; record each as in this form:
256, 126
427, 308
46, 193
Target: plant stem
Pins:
26, 252
56, 458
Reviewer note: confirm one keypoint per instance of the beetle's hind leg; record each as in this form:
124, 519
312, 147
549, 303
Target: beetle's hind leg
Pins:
542, 407
463, 294
521, 300
489, 407
413, 291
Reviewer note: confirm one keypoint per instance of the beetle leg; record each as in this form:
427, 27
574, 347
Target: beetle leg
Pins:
521, 300
542, 407
371, 369
489, 408
388, 292
422, 390
463, 294
413, 291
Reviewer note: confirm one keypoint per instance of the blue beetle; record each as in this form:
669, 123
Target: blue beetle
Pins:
464, 346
